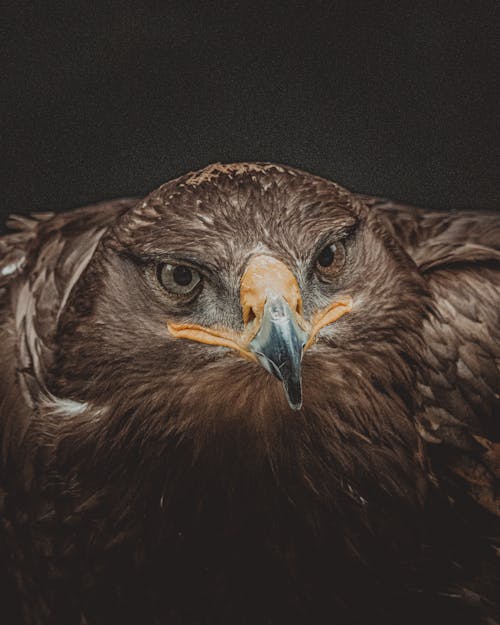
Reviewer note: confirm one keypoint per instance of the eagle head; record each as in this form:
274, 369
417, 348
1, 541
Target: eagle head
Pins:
260, 317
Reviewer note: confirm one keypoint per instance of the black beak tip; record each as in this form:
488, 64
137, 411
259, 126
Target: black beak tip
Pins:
295, 406
292, 388
294, 396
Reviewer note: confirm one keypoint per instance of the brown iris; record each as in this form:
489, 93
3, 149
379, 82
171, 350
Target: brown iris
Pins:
178, 279
331, 259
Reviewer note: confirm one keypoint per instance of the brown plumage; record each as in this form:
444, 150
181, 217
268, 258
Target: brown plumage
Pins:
147, 478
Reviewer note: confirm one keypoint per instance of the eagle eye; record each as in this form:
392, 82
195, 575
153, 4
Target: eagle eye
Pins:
178, 279
331, 259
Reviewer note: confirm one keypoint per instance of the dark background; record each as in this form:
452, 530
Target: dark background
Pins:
395, 99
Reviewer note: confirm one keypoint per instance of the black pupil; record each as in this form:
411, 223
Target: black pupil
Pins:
325, 259
182, 275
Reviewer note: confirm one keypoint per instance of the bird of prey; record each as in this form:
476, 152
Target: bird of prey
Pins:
250, 398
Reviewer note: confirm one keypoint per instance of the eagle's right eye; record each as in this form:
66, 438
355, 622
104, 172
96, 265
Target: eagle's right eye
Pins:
178, 279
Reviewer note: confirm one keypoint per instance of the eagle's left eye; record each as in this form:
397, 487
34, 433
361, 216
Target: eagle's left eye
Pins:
331, 259
178, 279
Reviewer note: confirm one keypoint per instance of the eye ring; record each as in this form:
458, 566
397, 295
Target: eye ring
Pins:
331, 259
178, 279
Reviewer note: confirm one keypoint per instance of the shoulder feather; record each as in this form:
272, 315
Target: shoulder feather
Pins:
50, 252
458, 252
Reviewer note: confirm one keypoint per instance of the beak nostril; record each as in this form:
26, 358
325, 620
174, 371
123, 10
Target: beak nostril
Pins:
250, 316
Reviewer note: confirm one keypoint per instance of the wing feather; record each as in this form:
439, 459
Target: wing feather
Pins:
459, 254
39, 265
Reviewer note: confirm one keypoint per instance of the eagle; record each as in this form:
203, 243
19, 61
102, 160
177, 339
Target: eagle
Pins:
250, 398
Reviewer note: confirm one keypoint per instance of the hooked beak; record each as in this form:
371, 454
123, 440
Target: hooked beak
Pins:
275, 333
279, 345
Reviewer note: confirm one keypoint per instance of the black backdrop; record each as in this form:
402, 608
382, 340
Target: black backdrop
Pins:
397, 99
